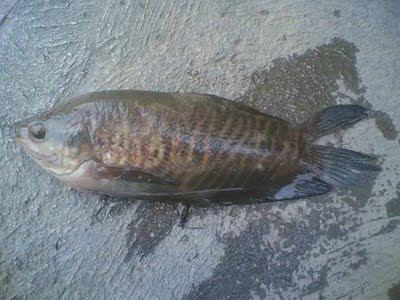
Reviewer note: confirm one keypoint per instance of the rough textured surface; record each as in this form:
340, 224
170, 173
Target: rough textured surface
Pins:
288, 58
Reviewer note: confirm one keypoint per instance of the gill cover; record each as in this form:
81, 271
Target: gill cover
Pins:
58, 142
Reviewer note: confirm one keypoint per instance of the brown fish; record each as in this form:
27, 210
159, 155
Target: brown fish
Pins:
190, 146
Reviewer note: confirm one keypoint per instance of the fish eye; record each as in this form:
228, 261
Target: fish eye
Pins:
37, 132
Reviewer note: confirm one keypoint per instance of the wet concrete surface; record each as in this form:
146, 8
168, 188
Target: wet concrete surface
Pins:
286, 58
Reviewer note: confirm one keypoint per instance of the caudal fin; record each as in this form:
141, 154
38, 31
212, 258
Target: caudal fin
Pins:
335, 118
339, 167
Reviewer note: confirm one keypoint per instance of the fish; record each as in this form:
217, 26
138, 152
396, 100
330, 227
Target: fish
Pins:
191, 147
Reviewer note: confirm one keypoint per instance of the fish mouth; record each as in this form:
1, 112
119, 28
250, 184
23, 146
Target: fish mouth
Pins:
21, 137
20, 132
18, 137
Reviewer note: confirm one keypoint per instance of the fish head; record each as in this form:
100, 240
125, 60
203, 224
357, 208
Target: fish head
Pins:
58, 142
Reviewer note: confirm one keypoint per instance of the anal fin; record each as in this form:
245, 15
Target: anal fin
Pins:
303, 186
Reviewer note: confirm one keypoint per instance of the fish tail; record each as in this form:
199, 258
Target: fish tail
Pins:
336, 166
341, 167
334, 118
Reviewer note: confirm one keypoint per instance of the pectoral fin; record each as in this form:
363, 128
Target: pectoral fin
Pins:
115, 173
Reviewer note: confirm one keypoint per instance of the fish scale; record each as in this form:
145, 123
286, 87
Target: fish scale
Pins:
203, 152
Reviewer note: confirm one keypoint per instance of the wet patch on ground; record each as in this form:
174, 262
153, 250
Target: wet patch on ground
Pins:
357, 197
394, 292
389, 227
111, 207
385, 125
269, 252
393, 205
153, 222
361, 259
297, 86
382, 120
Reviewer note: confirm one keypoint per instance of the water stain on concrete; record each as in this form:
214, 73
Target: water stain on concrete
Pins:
394, 292
357, 197
110, 207
320, 279
385, 125
153, 222
361, 259
393, 205
297, 86
7, 278
382, 120
389, 227
251, 261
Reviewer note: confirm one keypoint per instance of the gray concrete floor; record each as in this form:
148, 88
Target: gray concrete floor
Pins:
288, 58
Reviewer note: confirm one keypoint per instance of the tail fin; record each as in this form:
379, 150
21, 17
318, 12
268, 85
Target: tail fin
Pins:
339, 167
334, 118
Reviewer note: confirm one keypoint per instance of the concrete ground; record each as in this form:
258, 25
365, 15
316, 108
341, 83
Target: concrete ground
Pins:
284, 57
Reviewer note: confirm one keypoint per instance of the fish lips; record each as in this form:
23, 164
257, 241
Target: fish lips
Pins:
20, 132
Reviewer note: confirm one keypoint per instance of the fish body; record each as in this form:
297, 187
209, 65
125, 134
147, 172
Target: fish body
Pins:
153, 144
